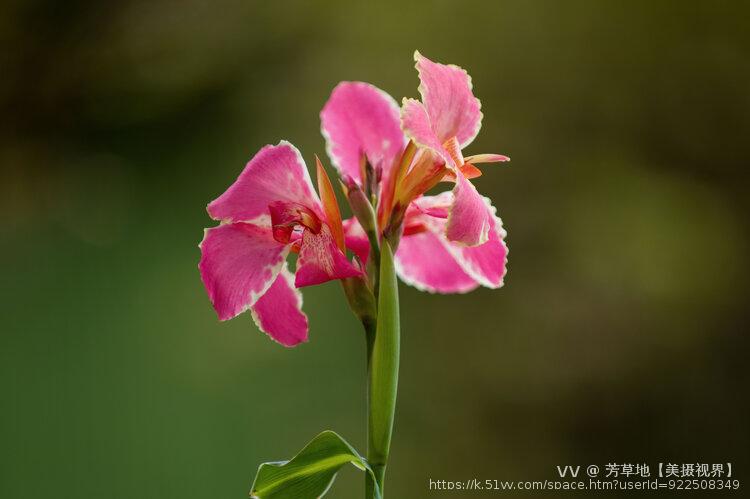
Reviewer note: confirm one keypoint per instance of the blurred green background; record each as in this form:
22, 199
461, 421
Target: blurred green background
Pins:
621, 334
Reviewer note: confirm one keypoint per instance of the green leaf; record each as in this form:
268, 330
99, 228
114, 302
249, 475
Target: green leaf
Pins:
310, 473
384, 360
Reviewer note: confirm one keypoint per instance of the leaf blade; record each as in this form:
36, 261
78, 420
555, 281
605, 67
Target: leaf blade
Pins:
308, 474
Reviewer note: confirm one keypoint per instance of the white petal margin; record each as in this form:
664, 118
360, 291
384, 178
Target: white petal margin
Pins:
279, 313
468, 257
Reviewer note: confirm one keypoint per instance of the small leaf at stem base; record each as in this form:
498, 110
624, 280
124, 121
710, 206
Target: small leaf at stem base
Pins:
310, 473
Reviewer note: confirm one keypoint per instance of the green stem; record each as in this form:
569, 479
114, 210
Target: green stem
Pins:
373, 270
383, 355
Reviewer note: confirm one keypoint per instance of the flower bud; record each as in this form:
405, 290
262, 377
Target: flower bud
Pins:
361, 301
361, 208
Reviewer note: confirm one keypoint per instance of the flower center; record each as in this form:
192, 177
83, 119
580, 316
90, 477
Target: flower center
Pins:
286, 216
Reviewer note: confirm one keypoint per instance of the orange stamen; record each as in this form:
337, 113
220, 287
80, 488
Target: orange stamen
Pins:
388, 193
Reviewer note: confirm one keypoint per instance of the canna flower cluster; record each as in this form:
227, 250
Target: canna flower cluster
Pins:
387, 159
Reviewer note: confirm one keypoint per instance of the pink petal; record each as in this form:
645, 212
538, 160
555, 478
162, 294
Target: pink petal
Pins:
239, 262
423, 262
276, 173
417, 126
359, 118
448, 98
278, 312
437, 206
471, 215
356, 239
487, 263
320, 260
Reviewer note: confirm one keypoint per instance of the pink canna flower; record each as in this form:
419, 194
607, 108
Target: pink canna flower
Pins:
270, 211
447, 120
361, 122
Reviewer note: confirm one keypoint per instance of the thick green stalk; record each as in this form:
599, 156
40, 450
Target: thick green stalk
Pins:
383, 371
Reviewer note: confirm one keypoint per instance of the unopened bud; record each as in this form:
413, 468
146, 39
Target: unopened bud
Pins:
361, 300
361, 208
